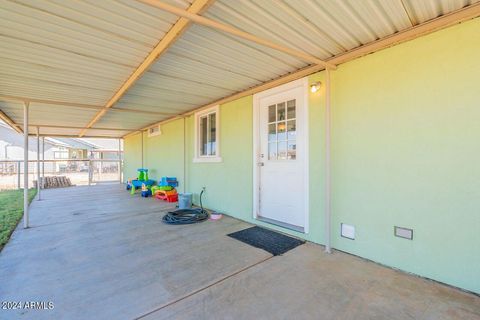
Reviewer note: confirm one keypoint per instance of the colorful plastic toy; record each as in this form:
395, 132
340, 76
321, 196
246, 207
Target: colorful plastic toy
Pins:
142, 174
156, 189
172, 198
169, 196
141, 179
146, 192
169, 181
132, 190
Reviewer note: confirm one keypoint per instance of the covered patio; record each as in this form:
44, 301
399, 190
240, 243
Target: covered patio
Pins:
112, 258
351, 126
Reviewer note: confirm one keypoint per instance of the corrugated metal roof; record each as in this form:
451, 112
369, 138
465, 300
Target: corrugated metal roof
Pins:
119, 120
83, 51
42, 114
73, 51
205, 64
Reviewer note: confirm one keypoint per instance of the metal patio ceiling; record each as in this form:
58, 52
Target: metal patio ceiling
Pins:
68, 58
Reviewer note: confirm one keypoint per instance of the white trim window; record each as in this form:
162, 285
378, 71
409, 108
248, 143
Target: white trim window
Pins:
207, 134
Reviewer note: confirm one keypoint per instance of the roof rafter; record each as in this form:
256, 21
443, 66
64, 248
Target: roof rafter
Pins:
52, 102
10, 122
4, 97
237, 32
166, 42
449, 19
54, 135
49, 126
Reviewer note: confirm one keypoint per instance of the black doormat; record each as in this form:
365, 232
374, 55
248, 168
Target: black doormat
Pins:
271, 241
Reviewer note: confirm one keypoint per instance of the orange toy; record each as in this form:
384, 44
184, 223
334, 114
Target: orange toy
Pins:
170, 196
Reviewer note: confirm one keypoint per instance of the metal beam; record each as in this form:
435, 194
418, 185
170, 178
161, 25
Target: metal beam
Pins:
447, 20
74, 127
4, 97
25, 166
166, 42
10, 122
74, 136
141, 136
120, 169
155, 113
43, 163
38, 165
328, 169
237, 32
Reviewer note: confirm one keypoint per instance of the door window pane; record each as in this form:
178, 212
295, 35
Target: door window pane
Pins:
292, 150
291, 109
281, 129
291, 129
281, 111
272, 151
271, 113
272, 132
282, 150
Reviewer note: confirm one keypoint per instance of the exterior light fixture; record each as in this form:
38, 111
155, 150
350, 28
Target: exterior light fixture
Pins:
314, 87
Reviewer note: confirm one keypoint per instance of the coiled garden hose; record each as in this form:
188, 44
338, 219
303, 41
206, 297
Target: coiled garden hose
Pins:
186, 216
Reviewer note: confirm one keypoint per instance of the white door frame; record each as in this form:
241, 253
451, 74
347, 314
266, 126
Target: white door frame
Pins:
303, 82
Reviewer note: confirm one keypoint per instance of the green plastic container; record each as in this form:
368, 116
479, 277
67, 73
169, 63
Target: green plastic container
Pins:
142, 174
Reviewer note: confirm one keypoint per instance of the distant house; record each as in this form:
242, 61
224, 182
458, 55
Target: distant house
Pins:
106, 149
11, 147
62, 150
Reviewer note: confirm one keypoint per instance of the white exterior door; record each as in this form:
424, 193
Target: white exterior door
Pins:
281, 157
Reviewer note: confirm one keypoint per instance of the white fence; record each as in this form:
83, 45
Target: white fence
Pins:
80, 172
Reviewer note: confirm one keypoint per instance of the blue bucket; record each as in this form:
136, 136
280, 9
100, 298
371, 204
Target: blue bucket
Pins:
184, 201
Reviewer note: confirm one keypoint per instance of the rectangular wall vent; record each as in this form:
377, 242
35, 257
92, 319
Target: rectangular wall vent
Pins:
403, 233
347, 231
154, 131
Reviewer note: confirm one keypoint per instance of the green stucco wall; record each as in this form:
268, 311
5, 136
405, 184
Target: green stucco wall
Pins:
228, 183
405, 151
164, 154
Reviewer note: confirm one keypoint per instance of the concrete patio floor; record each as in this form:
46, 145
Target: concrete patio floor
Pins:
99, 253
